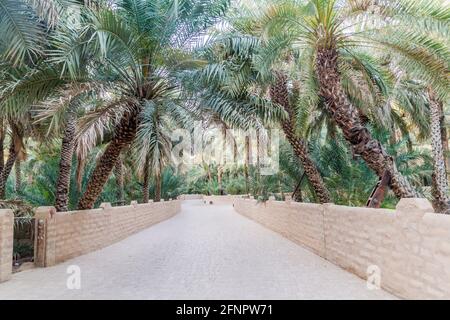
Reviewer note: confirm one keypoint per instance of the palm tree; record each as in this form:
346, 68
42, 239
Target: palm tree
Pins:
32, 79
153, 143
59, 118
325, 30
153, 150
16, 152
21, 43
137, 43
65, 164
229, 80
279, 93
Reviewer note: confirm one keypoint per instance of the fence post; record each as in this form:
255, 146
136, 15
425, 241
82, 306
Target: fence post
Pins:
44, 246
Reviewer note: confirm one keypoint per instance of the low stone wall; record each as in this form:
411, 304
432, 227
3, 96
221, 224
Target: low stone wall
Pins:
65, 235
227, 199
6, 243
190, 197
410, 246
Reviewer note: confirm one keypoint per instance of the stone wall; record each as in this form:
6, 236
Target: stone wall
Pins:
410, 246
70, 234
6, 243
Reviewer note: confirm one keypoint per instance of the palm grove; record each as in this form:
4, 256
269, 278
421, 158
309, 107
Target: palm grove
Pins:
90, 90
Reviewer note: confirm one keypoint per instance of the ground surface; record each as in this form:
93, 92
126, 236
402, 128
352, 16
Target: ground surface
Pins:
204, 252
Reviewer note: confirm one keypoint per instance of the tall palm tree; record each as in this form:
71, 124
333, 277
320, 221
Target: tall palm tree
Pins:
16, 151
229, 80
325, 30
41, 30
137, 45
153, 151
153, 144
118, 173
59, 118
280, 95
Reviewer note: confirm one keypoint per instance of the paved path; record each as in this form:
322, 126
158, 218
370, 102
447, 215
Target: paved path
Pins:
204, 252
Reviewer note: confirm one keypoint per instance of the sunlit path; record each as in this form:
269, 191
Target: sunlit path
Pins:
204, 252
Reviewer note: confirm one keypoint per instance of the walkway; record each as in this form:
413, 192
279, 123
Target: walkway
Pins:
204, 252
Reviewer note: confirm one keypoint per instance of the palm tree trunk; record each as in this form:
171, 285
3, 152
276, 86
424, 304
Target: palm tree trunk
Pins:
441, 200
158, 187
2, 145
297, 194
347, 118
65, 164
145, 191
258, 146
79, 173
18, 173
219, 179
444, 138
123, 136
118, 173
247, 163
280, 95
7, 168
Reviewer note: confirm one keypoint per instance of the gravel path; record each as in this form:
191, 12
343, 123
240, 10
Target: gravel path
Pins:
204, 252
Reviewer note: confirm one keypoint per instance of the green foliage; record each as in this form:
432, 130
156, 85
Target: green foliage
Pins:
180, 61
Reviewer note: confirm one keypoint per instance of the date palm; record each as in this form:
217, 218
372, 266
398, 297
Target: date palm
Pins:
58, 117
16, 151
137, 45
30, 77
327, 30
280, 95
234, 90
153, 143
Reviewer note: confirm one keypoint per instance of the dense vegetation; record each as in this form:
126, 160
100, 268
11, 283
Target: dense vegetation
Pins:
90, 92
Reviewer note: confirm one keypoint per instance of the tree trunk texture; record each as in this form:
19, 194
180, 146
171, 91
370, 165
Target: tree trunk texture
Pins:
18, 173
441, 200
347, 117
79, 173
2, 145
7, 168
380, 190
280, 95
118, 173
65, 164
219, 179
157, 187
247, 164
123, 136
258, 147
146, 173
297, 194
444, 138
